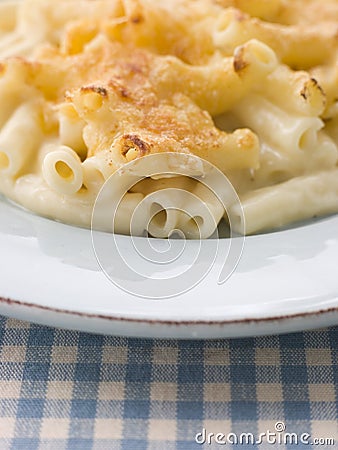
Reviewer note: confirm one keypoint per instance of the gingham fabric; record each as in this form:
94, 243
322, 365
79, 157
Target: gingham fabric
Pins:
63, 389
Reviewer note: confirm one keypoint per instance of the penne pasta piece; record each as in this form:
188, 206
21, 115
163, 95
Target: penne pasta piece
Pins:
71, 129
304, 93
62, 170
297, 199
20, 138
239, 151
327, 76
201, 213
160, 210
299, 47
158, 213
12, 88
254, 60
96, 170
289, 133
123, 223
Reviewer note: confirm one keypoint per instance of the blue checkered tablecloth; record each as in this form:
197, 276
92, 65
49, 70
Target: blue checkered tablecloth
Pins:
64, 389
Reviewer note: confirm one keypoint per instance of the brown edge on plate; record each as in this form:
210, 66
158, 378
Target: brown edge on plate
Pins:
9, 301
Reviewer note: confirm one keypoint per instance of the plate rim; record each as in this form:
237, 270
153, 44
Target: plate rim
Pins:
167, 322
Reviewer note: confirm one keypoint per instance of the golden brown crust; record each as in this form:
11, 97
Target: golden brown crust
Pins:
117, 90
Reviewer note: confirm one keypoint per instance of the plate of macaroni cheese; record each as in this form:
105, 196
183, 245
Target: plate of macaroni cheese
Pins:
169, 168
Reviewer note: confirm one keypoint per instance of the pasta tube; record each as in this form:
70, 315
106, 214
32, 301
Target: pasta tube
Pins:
304, 94
297, 46
62, 170
289, 133
19, 138
218, 86
71, 129
297, 199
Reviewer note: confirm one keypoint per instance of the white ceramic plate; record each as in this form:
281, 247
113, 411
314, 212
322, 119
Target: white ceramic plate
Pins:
285, 281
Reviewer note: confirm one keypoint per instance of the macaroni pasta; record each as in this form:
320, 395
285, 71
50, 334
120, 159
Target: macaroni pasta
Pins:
250, 86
